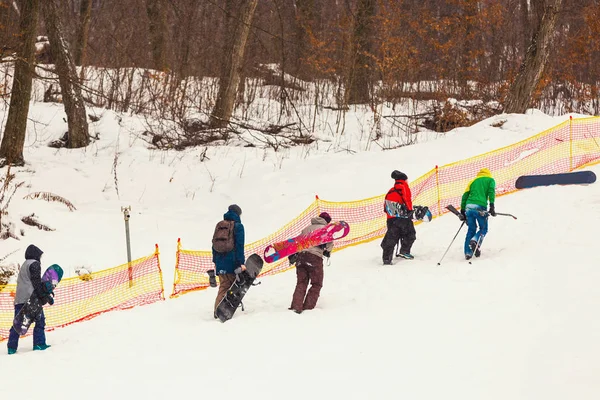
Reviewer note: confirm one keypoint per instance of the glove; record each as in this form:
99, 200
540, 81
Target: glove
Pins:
463, 215
492, 210
327, 253
47, 300
292, 258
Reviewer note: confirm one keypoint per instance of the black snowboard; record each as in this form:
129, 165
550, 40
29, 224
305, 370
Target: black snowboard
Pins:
237, 291
571, 178
33, 308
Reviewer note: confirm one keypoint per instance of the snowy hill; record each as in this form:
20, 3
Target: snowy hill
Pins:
516, 324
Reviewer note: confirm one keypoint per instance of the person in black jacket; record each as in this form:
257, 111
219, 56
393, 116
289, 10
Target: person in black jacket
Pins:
29, 282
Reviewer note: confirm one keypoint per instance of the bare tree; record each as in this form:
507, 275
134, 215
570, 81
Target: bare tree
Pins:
11, 149
535, 61
304, 19
155, 10
360, 79
232, 64
69, 85
85, 14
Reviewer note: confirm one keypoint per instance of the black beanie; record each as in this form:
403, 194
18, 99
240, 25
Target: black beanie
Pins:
236, 209
399, 176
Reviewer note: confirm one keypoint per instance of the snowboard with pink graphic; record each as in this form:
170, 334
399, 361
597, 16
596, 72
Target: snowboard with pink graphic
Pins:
329, 233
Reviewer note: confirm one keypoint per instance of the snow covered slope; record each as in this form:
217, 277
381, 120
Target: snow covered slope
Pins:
519, 323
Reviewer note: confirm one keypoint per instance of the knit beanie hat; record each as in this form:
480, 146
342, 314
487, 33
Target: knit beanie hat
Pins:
399, 176
325, 216
236, 209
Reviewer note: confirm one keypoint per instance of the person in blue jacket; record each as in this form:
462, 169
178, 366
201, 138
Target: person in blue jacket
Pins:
227, 263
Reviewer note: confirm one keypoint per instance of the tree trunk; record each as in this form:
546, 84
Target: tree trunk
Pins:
360, 81
67, 75
185, 43
305, 16
466, 67
158, 32
232, 65
11, 149
536, 58
85, 14
526, 22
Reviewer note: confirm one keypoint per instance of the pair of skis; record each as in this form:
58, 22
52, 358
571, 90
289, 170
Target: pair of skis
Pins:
454, 211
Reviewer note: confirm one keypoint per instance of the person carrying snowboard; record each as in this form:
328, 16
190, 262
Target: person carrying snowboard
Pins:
309, 268
29, 281
400, 227
228, 250
474, 202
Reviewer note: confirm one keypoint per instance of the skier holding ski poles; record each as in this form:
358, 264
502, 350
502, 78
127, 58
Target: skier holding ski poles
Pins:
473, 210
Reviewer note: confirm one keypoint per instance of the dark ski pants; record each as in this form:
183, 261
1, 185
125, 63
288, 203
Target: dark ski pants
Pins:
398, 229
309, 269
225, 282
474, 219
39, 333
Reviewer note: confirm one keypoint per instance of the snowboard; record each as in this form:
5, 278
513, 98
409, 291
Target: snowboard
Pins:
235, 294
329, 233
570, 178
422, 213
33, 308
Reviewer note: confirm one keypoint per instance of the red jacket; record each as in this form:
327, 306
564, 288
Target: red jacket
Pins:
398, 195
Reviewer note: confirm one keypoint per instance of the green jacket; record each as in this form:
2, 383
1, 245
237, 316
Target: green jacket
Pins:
480, 190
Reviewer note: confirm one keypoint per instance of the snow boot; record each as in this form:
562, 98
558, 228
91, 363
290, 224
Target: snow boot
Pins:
41, 347
407, 256
473, 245
212, 279
11, 351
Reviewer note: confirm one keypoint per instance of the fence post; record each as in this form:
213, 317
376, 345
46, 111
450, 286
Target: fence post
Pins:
162, 282
177, 277
126, 215
570, 143
318, 201
437, 184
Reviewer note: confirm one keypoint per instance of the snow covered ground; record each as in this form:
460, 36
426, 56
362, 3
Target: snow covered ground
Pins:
519, 323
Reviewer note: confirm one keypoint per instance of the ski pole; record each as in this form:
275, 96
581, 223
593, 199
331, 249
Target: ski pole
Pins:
453, 239
476, 248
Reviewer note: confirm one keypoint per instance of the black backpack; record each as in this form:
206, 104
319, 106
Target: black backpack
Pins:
223, 240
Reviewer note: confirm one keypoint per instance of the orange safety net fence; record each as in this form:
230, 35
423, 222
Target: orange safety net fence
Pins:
563, 148
76, 300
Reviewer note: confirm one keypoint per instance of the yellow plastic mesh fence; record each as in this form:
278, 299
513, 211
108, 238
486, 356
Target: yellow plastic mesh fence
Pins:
563, 148
82, 298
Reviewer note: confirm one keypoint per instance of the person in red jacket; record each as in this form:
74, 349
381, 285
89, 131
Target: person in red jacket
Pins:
398, 209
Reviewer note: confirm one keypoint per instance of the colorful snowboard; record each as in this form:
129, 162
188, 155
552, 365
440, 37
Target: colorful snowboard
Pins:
570, 178
33, 308
329, 233
237, 291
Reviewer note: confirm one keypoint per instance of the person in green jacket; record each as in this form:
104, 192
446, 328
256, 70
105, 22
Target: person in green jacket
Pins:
475, 200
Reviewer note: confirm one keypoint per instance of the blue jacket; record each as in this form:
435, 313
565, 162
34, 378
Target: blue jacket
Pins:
226, 263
